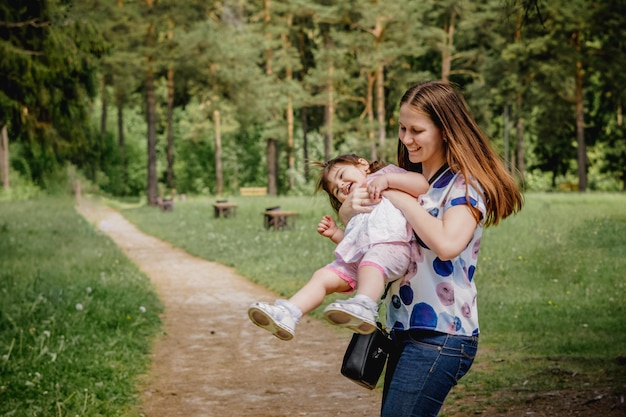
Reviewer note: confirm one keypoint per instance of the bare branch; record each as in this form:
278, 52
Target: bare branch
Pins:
32, 22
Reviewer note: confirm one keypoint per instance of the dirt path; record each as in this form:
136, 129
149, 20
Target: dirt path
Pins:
211, 361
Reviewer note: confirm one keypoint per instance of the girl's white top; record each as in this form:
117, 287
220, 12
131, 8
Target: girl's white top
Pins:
384, 224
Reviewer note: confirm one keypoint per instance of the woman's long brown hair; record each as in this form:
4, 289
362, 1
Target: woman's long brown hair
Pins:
467, 148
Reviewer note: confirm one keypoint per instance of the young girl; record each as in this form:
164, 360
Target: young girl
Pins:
433, 313
375, 248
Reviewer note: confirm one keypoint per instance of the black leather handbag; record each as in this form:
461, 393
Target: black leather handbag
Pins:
365, 357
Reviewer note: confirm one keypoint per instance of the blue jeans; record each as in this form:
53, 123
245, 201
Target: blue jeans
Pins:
422, 369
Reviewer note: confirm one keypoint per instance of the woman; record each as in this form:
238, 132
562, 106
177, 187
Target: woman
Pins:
433, 314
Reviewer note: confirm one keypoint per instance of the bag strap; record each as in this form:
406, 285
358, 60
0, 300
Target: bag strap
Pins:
382, 297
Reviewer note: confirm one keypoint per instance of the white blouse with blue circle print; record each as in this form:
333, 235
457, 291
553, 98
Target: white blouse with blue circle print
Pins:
435, 294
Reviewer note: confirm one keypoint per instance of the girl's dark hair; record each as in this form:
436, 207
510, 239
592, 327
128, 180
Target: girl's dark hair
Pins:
346, 159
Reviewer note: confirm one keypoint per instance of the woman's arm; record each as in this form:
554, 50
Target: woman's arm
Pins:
447, 237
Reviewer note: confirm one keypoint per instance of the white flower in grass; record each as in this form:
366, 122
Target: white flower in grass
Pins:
88, 289
46, 333
142, 309
79, 307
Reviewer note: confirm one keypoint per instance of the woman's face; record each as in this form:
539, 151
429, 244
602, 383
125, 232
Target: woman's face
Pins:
422, 139
344, 178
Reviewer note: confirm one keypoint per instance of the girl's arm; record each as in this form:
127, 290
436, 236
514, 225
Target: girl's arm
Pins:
447, 237
328, 228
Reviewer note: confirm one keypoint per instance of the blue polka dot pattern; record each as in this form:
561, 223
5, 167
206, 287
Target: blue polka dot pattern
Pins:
443, 268
441, 295
451, 322
406, 294
470, 273
423, 316
460, 201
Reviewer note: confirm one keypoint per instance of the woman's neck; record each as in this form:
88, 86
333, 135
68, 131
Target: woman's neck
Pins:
432, 168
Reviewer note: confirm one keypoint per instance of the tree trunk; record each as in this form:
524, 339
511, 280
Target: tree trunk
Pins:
369, 110
448, 44
271, 143
151, 120
329, 113
272, 152
4, 157
103, 117
505, 123
305, 143
620, 119
380, 107
122, 143
219, 176
291, 162
170, 131
580, 122
521, 166
291, 168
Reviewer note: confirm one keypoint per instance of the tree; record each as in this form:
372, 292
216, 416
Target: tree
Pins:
47, 75
607, 60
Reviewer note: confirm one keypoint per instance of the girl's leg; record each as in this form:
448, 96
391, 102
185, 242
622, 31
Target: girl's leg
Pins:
323, 282
281, 318
360, 312
370, 282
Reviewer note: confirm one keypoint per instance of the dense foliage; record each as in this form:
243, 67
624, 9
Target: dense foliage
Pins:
206, 96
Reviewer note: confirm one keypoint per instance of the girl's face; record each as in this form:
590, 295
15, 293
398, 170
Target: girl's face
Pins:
343, 178
422, 139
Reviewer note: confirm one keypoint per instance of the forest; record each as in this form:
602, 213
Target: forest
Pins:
151, 98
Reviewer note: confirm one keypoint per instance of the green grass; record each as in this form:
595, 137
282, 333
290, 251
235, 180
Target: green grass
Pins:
551, 284
551, 280
77, 317
280, 260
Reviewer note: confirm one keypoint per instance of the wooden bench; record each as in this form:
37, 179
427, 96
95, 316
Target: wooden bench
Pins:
252, 191
224, 209
165, 204
277, 219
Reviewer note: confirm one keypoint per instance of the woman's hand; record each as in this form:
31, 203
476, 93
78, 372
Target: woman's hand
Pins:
358, 201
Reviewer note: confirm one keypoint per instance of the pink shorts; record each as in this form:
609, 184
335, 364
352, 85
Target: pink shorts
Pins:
392, 259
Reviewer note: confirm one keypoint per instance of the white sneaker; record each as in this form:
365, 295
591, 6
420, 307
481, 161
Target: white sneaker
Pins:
276, 319
351, 314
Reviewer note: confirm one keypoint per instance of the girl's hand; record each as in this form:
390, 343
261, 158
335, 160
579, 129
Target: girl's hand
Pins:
327, 226
358, 201
377, 186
